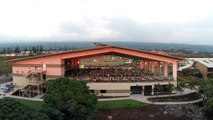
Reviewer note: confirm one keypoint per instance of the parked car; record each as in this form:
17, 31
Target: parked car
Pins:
10, 85
5, 89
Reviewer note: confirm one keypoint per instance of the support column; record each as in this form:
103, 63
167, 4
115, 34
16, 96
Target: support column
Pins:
44, 67
71, 63
148, 66
77, 64
142, 64
158, 68
152, 90
165, 69
153, 67
74, 63
142, 92
145, 65
62, 69
174, 70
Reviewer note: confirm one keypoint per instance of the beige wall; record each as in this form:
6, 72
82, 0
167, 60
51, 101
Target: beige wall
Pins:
112, 89
122, 86
113, 93
203, 69
120, 89
20, 81
54, 65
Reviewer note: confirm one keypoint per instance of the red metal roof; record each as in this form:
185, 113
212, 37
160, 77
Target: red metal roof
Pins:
98, 46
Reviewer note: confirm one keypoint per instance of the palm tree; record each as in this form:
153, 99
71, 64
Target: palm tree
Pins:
158, 88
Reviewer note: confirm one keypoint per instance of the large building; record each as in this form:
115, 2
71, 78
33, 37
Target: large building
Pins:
30, 74
205, 65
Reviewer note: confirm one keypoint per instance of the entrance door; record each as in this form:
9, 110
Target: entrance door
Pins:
136, 89
147, 90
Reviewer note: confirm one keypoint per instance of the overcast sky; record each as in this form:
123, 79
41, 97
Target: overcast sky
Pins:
167, 21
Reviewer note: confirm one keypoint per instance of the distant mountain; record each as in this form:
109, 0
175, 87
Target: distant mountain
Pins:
138, 45
47, 45
165, 46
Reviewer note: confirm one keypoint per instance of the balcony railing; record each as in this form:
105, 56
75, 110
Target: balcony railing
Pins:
126, 79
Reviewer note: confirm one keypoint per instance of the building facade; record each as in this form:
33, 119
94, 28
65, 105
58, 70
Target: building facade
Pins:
35, 71
205, 65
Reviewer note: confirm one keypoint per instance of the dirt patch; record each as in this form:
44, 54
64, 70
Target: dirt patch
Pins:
152, 112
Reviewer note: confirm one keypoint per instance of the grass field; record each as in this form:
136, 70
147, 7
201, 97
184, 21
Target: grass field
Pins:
119, 104
103, 63
34, 104
4, 66
101, 104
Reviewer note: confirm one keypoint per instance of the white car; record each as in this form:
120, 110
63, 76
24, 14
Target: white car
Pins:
5, 89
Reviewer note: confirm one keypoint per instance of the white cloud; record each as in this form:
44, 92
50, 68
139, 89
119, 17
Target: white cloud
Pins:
89, 19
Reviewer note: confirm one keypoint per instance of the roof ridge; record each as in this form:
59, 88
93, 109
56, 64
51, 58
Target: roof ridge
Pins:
99, 44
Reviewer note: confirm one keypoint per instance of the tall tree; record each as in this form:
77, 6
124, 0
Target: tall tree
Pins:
4, 51
170, 87
192, 82
181, 86
71, 97
11, 109
25, 49
53, 113
41, 49
208, 109
37, 49
157, 89
205, 87
17, 49
8, 50
33, 49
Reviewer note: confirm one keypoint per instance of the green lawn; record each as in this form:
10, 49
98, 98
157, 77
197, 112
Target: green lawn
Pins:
103, 63
34, 104
4, 66
101, 104
119, 104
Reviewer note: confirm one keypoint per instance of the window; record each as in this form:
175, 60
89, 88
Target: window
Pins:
103, 91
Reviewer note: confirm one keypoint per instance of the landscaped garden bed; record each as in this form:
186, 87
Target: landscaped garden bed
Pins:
180, 98
148, 112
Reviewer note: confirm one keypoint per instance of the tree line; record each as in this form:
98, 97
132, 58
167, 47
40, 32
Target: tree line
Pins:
17, 49
34, 49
